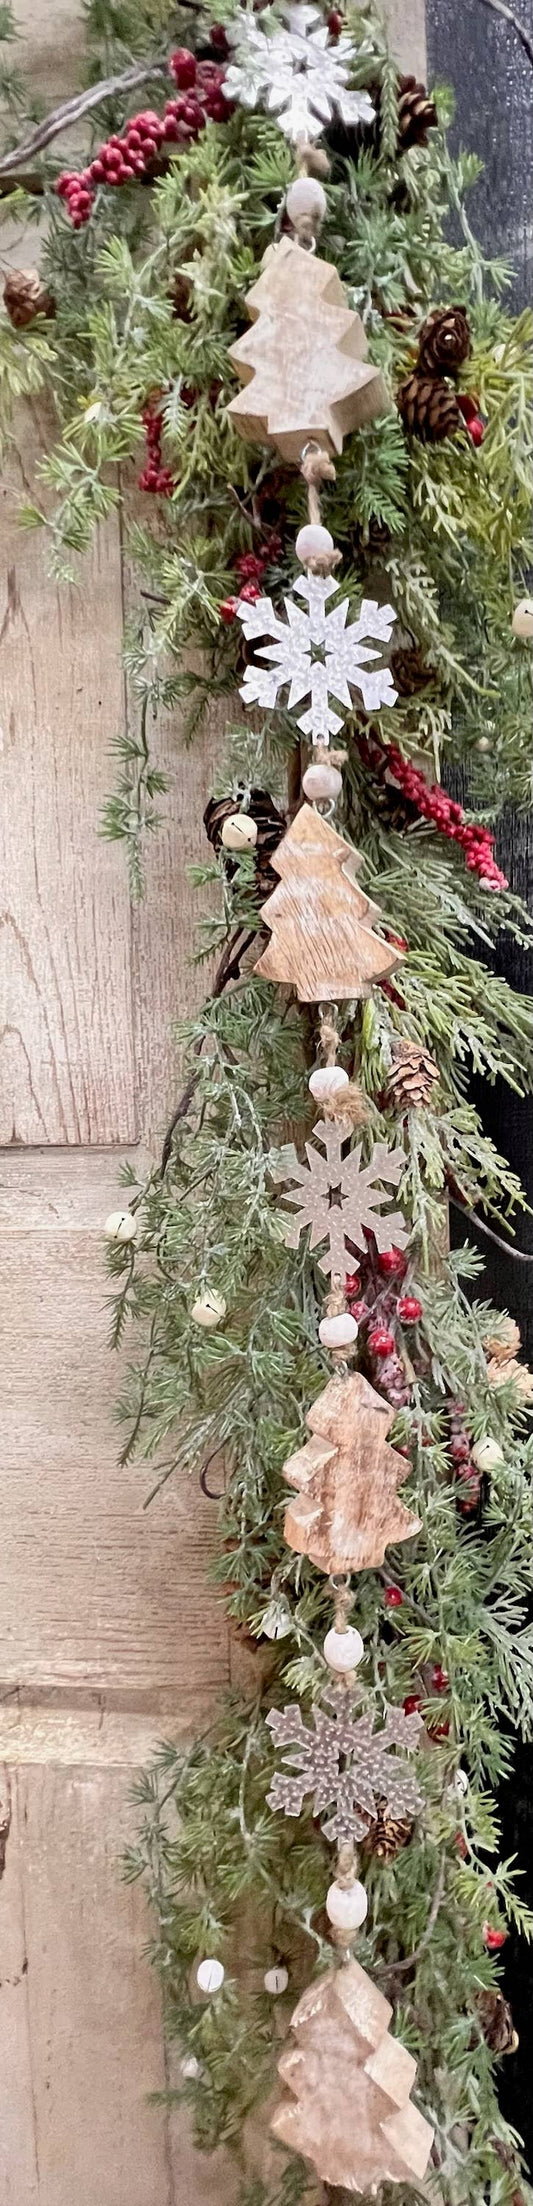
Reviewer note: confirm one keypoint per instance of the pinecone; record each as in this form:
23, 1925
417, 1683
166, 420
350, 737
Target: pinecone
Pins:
372, 537
180, 295
409, 669
412, 1076
270, 828
417, 114
428, 408
503, 1346
496, 2021
444, 341
25, 296
388, 1833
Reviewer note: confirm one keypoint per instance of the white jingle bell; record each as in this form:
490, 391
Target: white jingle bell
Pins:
321, 783
190, 2068
313, 542
306, 197
460, 1783
338, 1332
328, 1080
347, 1905
487, 1455
210, 1975
276, 1981
523, 619
121, 1225
343, 1650
209, 1309
484, 743
239, 832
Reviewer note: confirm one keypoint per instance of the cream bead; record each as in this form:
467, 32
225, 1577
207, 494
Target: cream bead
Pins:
210, 1976
523, 618
239, 832
321, 782
343, 1650
460, 1783
328, 1080
121, 1225
313, 542
338, 1332
347, 1906
306, 197
190, 2068
486, 1455
276, 1981
209, 1309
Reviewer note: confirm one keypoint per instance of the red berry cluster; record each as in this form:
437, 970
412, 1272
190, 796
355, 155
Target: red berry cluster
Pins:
123, 160
473, 420
250, 567
155, 476
434, 804
377, 1312
465, 1470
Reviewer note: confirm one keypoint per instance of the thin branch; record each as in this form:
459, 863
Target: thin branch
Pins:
499, 7
63, 118
519, 1256
226, 971
400, 1968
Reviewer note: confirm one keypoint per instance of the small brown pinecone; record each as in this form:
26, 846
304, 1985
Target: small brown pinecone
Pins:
428, 408
412, 1076
496, 2021
270, 828
417, 114
388, 1833
372, 537
444, 341
25, 296
180, 295
409, 669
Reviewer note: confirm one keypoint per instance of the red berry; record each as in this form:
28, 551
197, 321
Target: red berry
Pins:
217, 37
438, 1730
467, 406
409, 1309
462, 1848
351, 1282
228, 609
412, 1703
183, 66
460, 1448
392, 1263
250, 592
334, 23
393, 1597
476, 429
493, 1939
439, 1679
358, 1310
380, 1341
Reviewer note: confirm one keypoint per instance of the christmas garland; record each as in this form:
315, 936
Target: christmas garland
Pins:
371, 1414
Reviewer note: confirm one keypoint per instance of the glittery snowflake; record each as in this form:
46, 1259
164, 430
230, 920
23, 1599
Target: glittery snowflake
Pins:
347, 1766
341, 1199
295, 73
317, 655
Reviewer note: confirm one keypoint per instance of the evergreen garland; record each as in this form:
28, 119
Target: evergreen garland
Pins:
148, 298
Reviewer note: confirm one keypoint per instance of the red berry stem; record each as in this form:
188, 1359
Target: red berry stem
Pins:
434, 804
125, 159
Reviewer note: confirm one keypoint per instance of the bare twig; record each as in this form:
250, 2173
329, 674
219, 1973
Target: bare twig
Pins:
63, 118
226, 971
499, 7
401, 1968
519, 1256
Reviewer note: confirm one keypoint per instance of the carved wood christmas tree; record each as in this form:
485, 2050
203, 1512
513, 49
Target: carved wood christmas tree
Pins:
295, 388
350, 2112
347, 1511
323, 942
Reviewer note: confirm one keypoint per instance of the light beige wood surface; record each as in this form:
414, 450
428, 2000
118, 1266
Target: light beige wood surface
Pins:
322, 940
295, 389
347, 1509
351, 2111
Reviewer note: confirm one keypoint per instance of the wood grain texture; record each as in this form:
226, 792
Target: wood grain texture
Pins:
406, 25
347, 1511
296, 389
351, 2112
320, 943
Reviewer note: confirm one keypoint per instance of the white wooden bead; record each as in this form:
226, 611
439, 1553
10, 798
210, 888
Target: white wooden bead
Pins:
306, 197
486, 1455
210, 1976
239, 832
343, 1650
347, 1906
523, 618
209, 1309
121, 1225
460, 1783
338, 1332
328, 1080
321, 782
276, 1981
190, 2067
313, 542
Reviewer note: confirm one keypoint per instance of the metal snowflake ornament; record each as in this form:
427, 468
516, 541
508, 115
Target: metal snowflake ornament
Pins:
295, 73
316, 654
341, 1199
348, 1767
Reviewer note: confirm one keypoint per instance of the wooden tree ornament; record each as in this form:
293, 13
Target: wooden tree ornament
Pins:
323, 942
350, 2109
296, 389
346, 1509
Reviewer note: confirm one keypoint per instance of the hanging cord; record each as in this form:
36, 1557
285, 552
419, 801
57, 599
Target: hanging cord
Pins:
317, 468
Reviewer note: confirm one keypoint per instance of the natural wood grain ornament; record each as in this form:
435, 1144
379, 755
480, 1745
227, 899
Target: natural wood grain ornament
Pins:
296, 389
350, 2109
346, 1509
323, 942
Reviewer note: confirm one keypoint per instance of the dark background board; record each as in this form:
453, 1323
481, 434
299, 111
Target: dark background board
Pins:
480, 54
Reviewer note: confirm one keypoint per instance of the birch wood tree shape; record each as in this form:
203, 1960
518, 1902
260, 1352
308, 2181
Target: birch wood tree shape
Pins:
346, 1765
323, 942
340, 1198
349, 2109
315, 654
294, 388
294, 72
346, 1508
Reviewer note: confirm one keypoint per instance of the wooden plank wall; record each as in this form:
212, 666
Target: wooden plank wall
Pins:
108, 1636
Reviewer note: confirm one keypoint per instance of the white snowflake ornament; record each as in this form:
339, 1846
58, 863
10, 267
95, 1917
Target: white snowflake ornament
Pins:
317, 654
347, 1766
295, 73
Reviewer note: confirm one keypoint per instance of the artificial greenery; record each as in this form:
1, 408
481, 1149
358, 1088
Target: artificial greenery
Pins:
444, 530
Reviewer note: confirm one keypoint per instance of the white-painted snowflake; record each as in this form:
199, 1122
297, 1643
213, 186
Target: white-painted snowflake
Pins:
315, 654
340, 1198
295, 72
345, 1764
